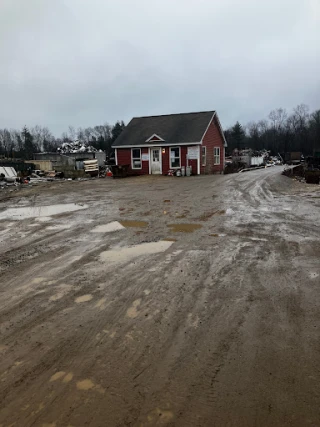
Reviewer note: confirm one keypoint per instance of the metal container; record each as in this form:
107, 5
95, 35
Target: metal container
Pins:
183, 171
188, 171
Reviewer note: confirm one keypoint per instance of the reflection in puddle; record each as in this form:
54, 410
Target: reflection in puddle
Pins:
184, 228
40, 211
129, 223
126, 254
108, 228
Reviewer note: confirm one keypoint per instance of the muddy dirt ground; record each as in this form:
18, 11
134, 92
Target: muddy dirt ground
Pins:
203, 309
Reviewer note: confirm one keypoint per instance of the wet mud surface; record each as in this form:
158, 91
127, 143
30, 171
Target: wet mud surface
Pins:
159, 301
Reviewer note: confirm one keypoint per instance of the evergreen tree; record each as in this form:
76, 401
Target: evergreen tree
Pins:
117, 129
29, 147
237, 133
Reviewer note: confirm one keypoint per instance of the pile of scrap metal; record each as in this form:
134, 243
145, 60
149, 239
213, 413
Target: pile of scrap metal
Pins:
76, 147
43, 176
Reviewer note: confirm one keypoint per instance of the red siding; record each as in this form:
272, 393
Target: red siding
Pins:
124, 158
183, 159
213, 139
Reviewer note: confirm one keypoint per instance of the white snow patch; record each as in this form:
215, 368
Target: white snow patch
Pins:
108, 228
229, 211
43, 219
258, 239
59, 227
40, 212
125, 254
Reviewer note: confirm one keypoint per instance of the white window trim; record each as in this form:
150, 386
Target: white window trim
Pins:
136, 158
216, 155
175, 167
205, 156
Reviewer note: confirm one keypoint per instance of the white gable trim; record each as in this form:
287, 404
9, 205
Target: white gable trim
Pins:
220, 128
208, 127
155, 135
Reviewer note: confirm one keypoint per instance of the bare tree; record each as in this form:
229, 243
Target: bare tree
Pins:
72, 133
6, 142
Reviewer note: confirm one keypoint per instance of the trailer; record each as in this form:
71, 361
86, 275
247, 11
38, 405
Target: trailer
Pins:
293, 157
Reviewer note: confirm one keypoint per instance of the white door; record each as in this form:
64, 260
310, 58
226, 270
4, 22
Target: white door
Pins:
155, 159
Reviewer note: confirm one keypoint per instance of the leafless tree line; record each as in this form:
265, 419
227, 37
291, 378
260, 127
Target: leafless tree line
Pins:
281, 132
21, 144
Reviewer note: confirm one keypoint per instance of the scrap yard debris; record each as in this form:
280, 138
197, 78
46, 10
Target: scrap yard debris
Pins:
76, 147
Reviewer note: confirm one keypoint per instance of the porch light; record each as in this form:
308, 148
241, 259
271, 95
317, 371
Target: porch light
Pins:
163, 151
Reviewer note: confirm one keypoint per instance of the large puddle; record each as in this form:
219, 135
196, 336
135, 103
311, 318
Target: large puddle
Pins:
121, 255
40, 211
133, 223
184, 228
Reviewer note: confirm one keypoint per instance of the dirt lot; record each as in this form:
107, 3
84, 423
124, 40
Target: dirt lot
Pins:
211, 323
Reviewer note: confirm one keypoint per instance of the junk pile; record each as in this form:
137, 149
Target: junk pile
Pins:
248, 159
76, 147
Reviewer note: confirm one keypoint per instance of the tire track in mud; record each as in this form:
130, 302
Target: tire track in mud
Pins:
195, 347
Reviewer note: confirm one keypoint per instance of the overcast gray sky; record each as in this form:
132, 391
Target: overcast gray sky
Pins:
85, 62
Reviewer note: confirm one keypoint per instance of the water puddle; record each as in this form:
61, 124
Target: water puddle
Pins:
121, 255
129, 223
133, 311
83, 298
42, 213
108, 228
184, 228
57, 376
85, 385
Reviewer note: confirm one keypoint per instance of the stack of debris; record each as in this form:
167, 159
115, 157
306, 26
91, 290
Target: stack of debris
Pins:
250, 158
76, 147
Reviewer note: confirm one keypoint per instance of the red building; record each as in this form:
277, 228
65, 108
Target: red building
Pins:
157, 144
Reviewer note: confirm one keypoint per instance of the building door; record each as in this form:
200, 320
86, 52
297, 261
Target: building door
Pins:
155, 158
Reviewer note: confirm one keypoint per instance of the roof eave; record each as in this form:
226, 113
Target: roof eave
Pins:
157, 143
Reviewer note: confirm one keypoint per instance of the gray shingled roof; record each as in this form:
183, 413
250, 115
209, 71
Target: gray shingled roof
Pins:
173, 128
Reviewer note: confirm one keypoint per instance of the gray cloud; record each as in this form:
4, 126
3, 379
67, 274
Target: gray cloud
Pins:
83, 63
